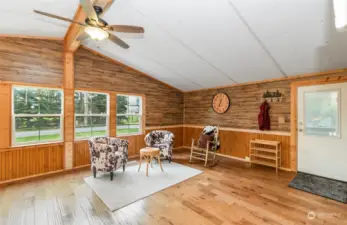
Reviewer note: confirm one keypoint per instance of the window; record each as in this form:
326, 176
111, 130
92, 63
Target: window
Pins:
37, 115
340, 9
91, 114
322, 113
129, 115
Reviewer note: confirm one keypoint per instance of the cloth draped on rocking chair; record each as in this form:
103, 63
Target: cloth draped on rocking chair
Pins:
205, 148
212, 131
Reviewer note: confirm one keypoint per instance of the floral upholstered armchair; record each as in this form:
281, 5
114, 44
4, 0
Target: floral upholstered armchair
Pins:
163, 140
108, 154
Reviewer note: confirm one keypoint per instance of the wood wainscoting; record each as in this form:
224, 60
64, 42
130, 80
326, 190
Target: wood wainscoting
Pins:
21, 162
81, 155
235, 142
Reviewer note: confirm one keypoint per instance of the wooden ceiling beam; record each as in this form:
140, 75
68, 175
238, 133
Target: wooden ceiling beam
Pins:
70, 41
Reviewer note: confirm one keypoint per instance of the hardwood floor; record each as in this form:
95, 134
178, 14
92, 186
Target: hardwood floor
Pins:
229, 193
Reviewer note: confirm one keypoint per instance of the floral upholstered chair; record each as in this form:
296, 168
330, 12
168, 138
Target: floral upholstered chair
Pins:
163, 140
108, 154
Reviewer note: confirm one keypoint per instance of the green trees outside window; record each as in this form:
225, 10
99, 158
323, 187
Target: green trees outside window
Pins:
91, 114
37, 115
129, 114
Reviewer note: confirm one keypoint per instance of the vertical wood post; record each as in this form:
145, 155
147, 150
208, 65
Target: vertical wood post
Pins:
5, 116
293, 127
113, 120
69, 108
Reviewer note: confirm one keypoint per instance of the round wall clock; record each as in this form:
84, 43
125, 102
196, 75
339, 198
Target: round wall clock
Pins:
220, 103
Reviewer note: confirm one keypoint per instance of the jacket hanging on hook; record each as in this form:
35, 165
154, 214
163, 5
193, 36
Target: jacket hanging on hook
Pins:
264, 117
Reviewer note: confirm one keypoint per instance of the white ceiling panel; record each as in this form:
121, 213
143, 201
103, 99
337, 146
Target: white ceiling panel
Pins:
214, 31
160, 47
299, 33
194, 44
18, 18
145, 65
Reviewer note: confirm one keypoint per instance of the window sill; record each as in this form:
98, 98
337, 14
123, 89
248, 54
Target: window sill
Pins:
129, 135
37, 144
83, 139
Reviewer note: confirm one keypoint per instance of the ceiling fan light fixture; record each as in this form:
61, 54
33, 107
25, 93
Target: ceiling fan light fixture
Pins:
96, 33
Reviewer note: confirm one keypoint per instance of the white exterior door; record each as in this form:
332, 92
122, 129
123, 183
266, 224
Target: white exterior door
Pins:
322, 130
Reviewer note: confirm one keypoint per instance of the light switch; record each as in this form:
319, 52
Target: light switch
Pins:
281, 120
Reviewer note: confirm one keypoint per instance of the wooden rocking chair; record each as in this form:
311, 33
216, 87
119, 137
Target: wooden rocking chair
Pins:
209, 152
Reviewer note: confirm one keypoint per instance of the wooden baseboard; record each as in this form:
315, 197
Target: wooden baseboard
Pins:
41, 176
241, 159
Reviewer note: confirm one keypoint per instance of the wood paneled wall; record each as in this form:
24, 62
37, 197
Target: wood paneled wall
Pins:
245, 103
30, 161
236, 143
27, 61
81, 154
41, 63
31, 61
164, 105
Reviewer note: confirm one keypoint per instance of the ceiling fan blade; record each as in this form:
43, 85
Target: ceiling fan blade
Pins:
106, 7
118, 41
126, 29
58, 17
88, 8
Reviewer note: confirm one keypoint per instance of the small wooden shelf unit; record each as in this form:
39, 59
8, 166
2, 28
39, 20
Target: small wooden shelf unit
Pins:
264, 152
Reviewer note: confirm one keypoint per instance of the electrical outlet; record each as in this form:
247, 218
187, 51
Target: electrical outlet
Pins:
281, 120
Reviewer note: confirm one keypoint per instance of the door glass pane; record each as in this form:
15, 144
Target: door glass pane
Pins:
322, 113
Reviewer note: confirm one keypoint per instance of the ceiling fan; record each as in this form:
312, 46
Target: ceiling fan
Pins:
95, 27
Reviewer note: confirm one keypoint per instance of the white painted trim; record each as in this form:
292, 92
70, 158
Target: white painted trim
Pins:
163, 127
282, 133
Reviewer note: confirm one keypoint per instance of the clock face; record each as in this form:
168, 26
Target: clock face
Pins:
220, 103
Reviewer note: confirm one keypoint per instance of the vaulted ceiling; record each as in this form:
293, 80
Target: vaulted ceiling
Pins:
194, 44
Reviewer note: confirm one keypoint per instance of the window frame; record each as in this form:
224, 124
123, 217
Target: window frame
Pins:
107, 115
142, 115
14, 116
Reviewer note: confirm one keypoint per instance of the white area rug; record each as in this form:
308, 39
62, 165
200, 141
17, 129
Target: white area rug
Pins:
131, 186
